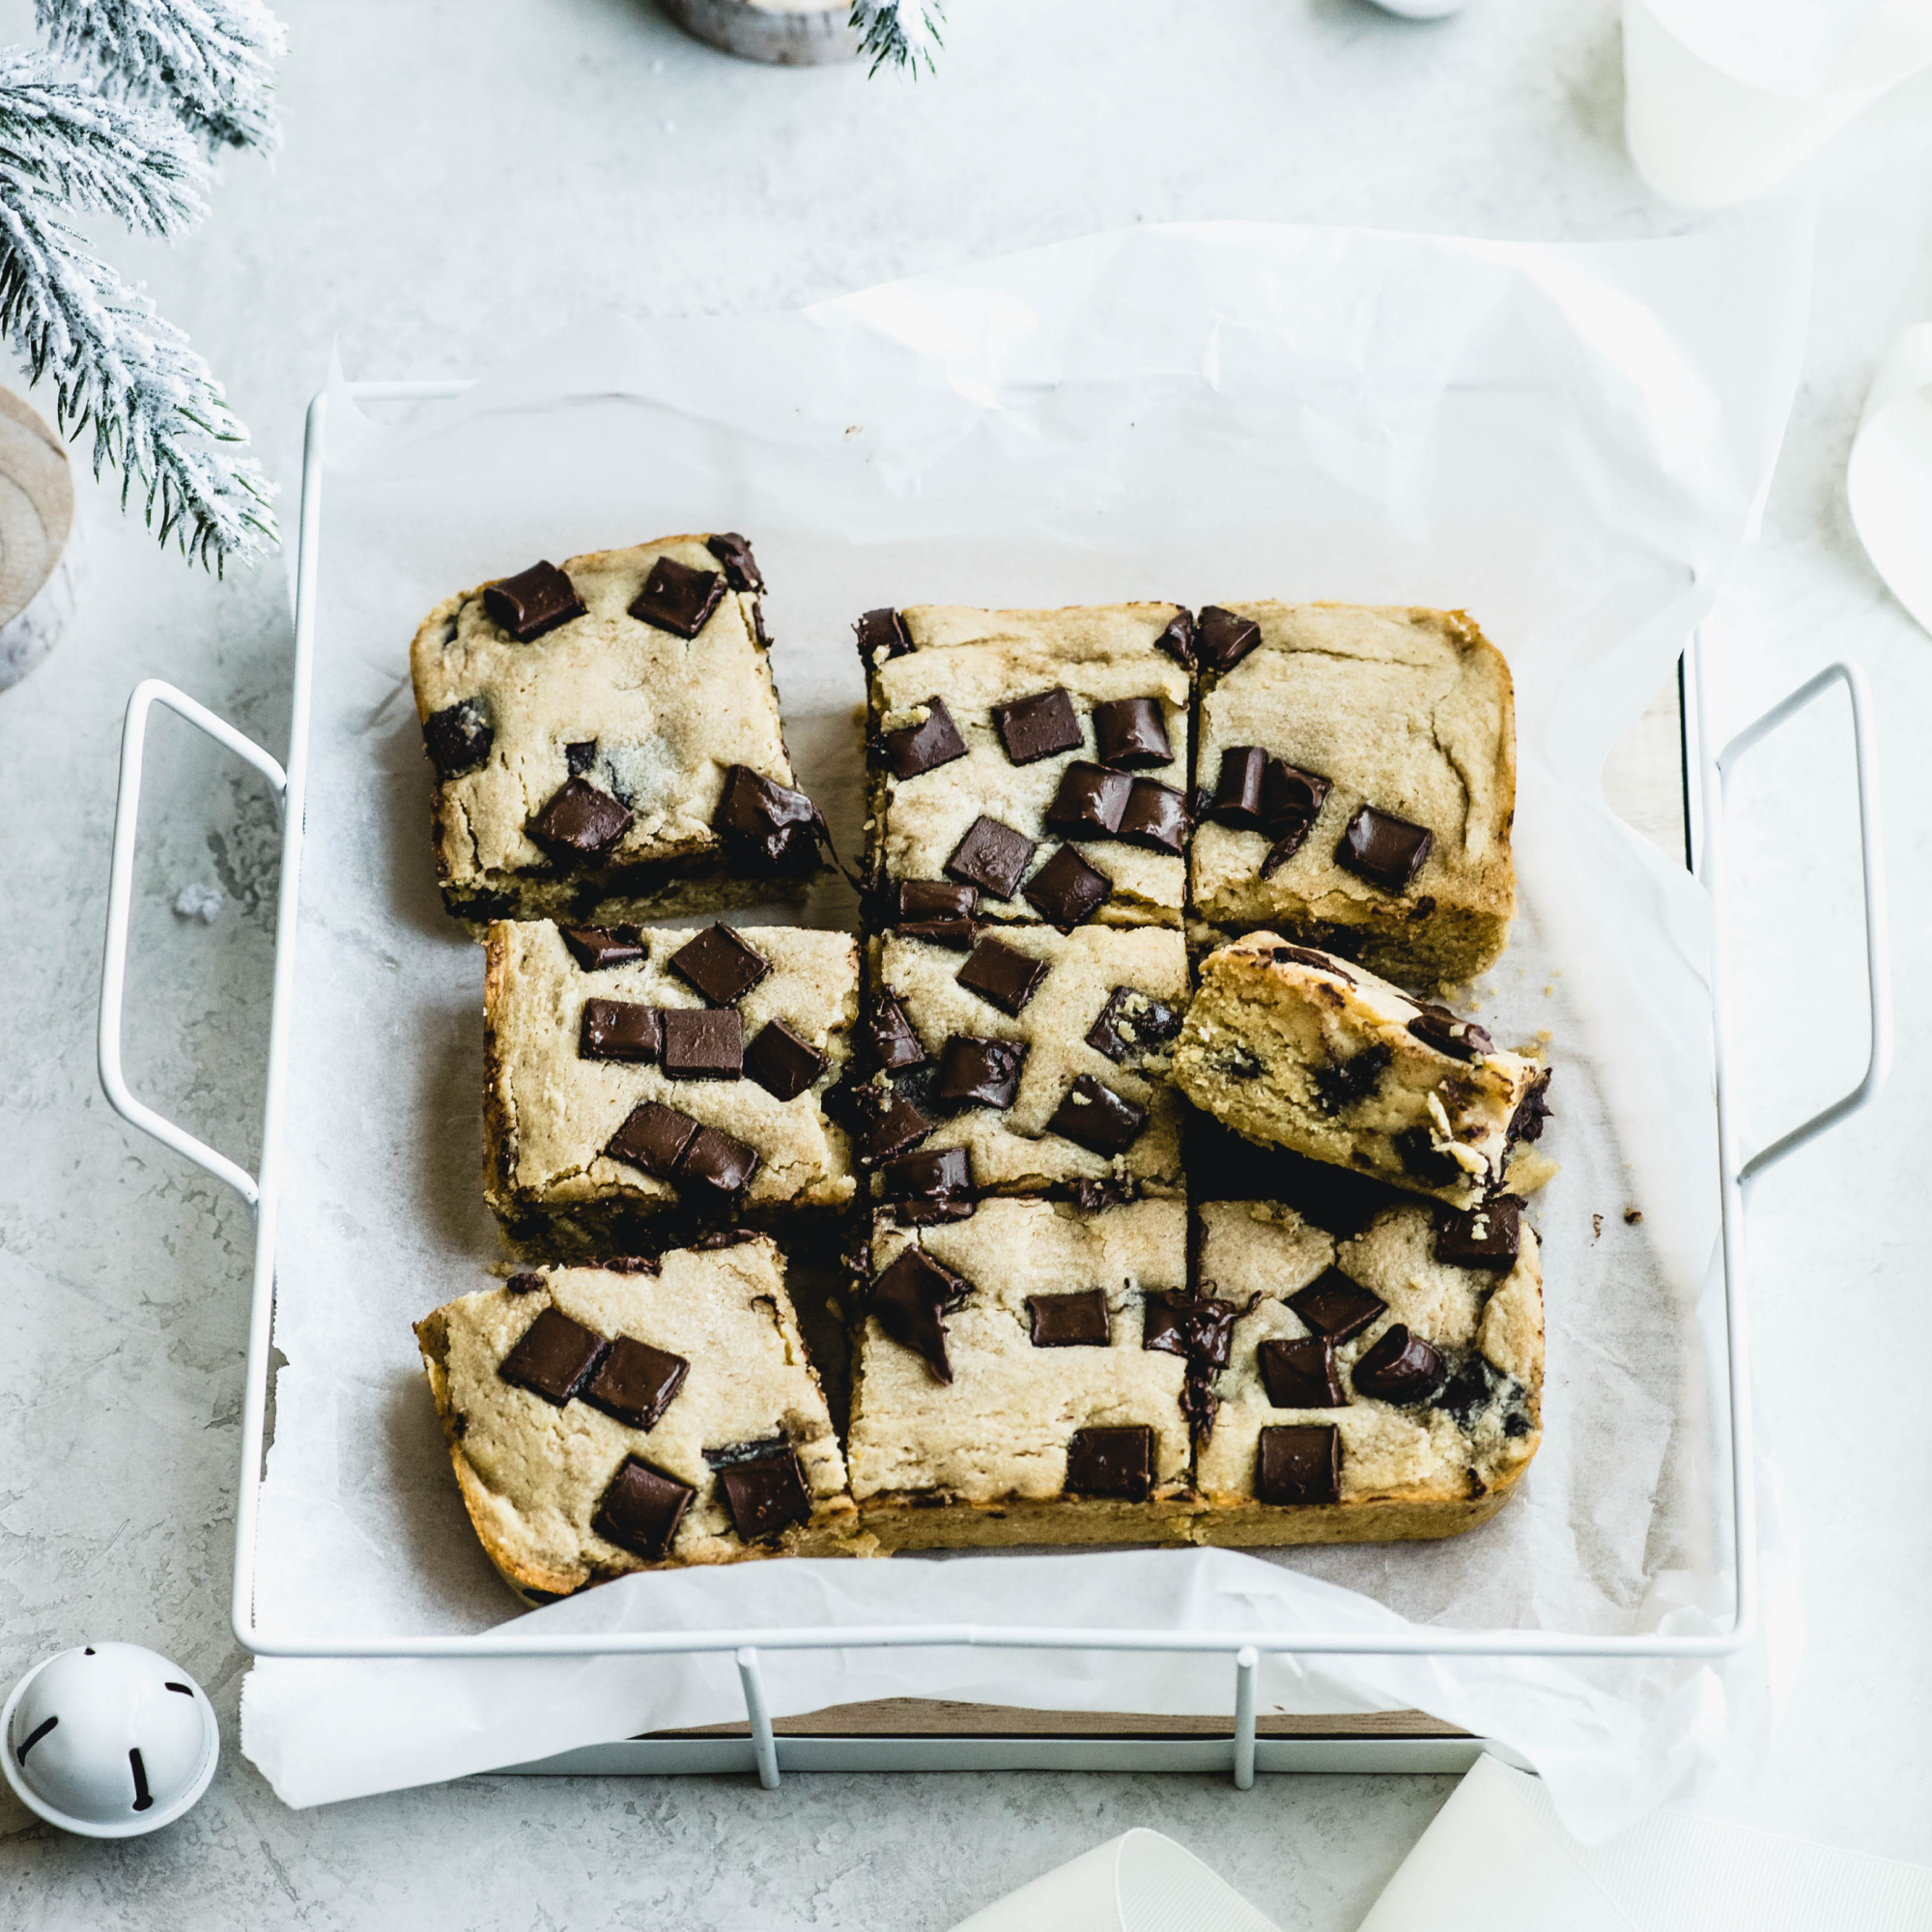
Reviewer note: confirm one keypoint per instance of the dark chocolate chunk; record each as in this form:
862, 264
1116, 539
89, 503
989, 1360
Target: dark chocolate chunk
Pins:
1238, 791
733, 1452
909, 1302
631, 1264
598, 948
999, 973
1066, 889
1305, 956
641, 1509
1222, 638
1156, 817
1301, 1374
882, 635
890, 1035
765, 1496
703, 1043
890, 1122
1472, 1387
678, 599
1039, 726
619, 1029
1285, 847
1178, 640
767, 824
1198, 1327
1076, 1321
715, 1160
759, 631
1385, 851
525, 1283
1131, 734
534, 601
1335, 1305
923, 747
991, 856
578, 758
1094, 1117
636, 1382
1345, 1083
652, 1138
1115, 1462
1289, 793
957, 935
1298, 1463
457, 738
1459, 1039
980, 1072
781, 1063
719, 965
934, 899
1428, 1163
579, 823
554, 1357
1400, 1367
1132, 1023
938, 1175
1089, 803
734, 556
1532, 1110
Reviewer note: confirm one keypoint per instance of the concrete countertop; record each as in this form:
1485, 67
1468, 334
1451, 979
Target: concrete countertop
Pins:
461, 178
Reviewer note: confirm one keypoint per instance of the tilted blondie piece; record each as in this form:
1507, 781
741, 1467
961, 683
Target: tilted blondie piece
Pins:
632, 1072
1358, 779
1037, 758
639, 1415
1380, 1387
1034, 1059
605, 740
1003, 1392
1291, 1047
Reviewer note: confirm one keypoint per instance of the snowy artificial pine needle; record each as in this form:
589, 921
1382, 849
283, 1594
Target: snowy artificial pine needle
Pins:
898, 33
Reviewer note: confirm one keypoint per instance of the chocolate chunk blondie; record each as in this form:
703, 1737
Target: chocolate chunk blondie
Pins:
605, 740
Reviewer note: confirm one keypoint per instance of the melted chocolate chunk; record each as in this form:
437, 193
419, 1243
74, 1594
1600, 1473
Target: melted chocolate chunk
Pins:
1459, 1039
1222, 638
653, 1138
1486, 1236
1198, 1327
991, 856
889, 1123
1425, 1160
1178, 640
525, 1283
579, 823
1076, 1321
923, 747
735, 558
1472, 1387
1400, 1367
1305, 956
1346, 1083
938, 1176
534, 601
1285, 847
1131, 734
769, 825
678, 599
1130, 1024
1113, 1463
1156, 817
781, 1063
1301, 1374
1095, 1118
1089, 803
922, 899
1066, 889
1002, 974
882, 636
1238, 791
599, 947
717, 1162
702, 1044
1290, 795
1039, 726
1385, 851
641, 1509
980, 1072
619, 1029
766, 1496
909, 1302
636, 1382
457, 738
719, 965
1298, 1463
1336, 1306
554, 1358
1532, 1110
890, 1035
578, 758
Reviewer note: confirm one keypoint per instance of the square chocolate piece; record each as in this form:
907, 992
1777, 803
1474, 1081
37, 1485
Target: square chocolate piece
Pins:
700, 1043
719, 965
554, 1358
619, 1029
636, 1382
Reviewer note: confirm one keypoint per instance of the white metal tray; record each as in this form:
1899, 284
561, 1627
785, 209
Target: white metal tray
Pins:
940, 1737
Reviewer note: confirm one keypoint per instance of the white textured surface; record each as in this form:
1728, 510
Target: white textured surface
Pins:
432, 153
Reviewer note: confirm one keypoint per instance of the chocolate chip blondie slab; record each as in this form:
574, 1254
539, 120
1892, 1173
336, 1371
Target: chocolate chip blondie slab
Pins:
1358, 776
1003, 1392
1382, 1387
643, 1415
633, 1072
1294, 1047
605, 740
1035, 1057
1038, 759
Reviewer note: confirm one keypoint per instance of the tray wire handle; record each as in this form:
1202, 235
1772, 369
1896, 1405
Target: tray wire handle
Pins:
759, 1715
149, 693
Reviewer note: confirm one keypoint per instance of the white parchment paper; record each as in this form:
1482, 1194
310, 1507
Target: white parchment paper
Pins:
1569, 443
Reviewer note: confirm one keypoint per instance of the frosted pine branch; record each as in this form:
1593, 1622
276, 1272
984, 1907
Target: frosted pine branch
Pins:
898, 33
210, 62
